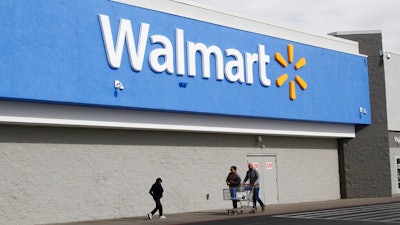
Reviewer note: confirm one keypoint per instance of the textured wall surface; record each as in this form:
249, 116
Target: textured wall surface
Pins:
308, 169
392, 77
54, 175
394, 155
394, 144
365, 160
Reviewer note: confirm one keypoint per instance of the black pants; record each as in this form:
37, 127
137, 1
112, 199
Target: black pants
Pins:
234, 204
158, 207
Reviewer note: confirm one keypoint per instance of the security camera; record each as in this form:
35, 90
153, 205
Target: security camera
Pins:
384, 54
118, 85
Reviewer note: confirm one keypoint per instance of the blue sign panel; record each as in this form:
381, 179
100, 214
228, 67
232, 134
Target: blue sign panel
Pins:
102, 53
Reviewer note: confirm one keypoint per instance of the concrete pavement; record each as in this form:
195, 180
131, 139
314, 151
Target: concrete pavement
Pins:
204, 216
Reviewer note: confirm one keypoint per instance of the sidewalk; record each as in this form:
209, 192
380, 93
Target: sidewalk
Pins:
184, 218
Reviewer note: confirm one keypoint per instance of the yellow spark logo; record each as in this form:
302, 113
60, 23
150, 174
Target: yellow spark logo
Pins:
282, 79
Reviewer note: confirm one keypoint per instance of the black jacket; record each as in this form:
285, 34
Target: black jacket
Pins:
156, 190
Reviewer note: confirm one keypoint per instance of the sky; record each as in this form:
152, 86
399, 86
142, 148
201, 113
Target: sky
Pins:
322, 16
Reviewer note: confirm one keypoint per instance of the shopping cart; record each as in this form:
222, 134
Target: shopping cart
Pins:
242, 194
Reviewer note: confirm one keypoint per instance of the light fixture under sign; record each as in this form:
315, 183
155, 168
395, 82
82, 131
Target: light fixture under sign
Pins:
259, 142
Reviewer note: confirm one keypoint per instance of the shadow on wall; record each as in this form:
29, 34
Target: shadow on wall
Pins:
68, 135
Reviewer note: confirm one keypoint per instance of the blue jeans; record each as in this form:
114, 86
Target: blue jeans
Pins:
256, 198
233, 195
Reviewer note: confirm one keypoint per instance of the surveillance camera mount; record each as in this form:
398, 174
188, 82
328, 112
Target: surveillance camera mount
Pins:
118, 85
384, 54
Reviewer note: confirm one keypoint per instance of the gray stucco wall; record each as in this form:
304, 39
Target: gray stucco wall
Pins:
53, 175
365, 160
392, 78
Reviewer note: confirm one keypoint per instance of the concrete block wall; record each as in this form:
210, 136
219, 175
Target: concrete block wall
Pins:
54, 175
365, 160
308, 169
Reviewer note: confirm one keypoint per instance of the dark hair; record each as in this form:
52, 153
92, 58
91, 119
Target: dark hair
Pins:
159, 180
233, 167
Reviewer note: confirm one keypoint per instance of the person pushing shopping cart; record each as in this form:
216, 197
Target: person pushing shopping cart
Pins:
253, 176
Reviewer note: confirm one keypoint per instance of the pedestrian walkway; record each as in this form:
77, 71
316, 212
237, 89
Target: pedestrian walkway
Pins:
273, 210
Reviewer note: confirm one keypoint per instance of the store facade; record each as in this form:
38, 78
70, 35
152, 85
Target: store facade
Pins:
99, 98
391, 60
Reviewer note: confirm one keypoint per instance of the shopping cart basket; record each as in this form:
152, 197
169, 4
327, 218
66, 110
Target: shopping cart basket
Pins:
242, 194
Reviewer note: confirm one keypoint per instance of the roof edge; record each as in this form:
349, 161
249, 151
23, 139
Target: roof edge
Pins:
355, 32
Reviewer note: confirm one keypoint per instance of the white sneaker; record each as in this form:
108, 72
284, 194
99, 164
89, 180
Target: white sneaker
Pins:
162, 217
150, 216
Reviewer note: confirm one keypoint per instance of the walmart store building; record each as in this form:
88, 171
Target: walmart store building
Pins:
98, 98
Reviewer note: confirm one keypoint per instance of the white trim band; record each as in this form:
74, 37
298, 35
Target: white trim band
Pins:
41, 114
